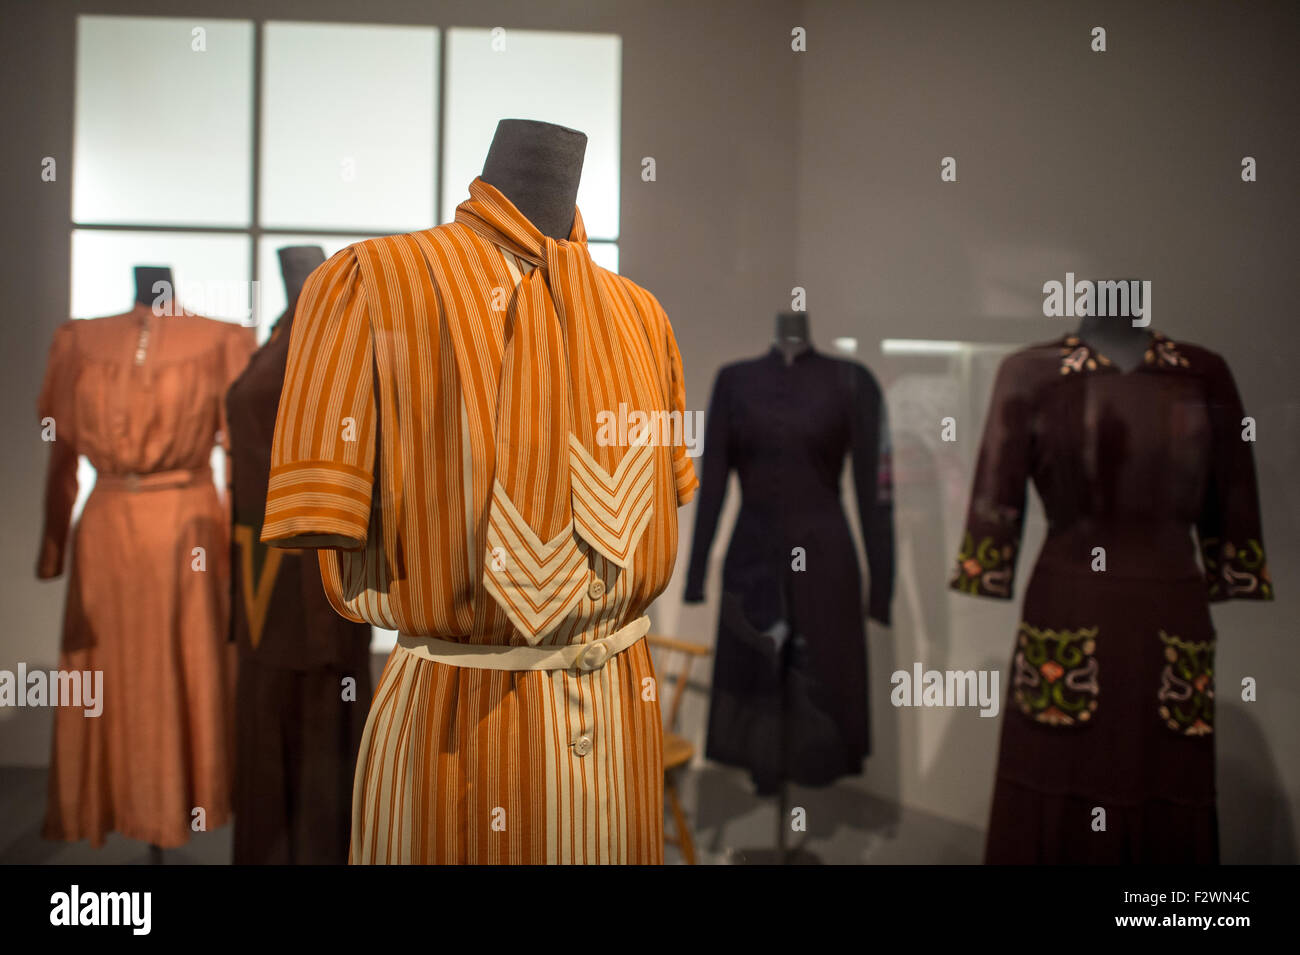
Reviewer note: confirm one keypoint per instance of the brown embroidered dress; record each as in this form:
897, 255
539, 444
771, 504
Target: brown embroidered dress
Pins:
1110, 696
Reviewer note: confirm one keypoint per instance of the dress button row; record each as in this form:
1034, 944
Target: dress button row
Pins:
596, 589
582, 745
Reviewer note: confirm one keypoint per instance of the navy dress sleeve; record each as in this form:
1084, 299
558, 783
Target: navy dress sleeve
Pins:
713, 487
873, 484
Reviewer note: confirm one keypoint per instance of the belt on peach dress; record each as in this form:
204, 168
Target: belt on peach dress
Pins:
154, 480
584, 657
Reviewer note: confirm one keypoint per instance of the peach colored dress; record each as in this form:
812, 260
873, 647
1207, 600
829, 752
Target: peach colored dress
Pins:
148, 589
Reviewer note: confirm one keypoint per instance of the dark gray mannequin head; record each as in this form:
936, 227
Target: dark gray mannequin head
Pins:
147, 279
296, 263
538, 166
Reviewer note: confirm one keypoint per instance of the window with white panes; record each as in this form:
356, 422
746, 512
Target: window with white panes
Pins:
208, 144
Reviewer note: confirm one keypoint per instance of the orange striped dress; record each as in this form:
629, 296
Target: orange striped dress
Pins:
441, 438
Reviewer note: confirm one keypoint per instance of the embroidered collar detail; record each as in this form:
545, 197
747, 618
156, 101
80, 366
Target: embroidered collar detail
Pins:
1163, 353
1078, 356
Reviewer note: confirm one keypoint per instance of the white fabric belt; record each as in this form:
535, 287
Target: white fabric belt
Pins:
574, 656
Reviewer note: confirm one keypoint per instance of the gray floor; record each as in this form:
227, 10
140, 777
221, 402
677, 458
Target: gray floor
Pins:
22, 807
844, 826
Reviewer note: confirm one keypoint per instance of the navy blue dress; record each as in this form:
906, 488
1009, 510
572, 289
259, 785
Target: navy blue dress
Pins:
789, 695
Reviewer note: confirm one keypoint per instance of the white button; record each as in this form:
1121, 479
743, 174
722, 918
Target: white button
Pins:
582, 745
596, 589
594, 656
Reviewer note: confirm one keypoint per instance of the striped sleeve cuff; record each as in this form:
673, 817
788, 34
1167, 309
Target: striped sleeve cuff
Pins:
317, 504
687, 482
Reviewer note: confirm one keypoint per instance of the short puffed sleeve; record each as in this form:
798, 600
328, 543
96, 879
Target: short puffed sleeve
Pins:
323, 452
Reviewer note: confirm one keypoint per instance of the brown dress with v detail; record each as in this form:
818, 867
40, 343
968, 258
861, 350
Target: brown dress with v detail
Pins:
303, 683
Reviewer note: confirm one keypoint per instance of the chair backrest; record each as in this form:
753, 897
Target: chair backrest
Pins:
675, 650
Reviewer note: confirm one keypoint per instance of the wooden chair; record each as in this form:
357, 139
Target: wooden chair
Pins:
678, 750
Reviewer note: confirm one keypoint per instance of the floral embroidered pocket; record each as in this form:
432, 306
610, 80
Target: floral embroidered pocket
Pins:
1055, 679
1186, 694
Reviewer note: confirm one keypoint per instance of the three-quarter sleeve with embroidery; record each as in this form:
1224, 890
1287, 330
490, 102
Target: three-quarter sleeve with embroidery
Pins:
990, 542
1228, 529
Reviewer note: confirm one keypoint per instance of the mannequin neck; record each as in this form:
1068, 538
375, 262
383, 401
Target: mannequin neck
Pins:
1111, 332
296, 263
792, 337
538, 166
146, 277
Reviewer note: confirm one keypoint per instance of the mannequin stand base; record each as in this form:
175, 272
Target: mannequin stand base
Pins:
771, 856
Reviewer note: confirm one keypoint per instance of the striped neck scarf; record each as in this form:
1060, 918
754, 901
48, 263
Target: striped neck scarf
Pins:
566, 359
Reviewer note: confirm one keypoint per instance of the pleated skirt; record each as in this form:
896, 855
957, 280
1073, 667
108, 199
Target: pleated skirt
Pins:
461, 765
1107, 750
1027, 827
147, 607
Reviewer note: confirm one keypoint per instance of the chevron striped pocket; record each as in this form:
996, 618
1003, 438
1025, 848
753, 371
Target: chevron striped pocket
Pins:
537, 583
612, 511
